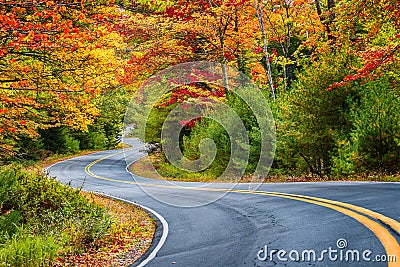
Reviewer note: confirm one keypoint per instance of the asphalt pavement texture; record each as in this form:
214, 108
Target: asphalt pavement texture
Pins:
240, 228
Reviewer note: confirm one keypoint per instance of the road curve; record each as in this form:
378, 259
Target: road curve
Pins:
295, 224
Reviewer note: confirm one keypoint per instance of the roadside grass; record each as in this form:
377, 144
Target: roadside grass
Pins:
45, 223
152, 167
60, 157
54, 158
128, 238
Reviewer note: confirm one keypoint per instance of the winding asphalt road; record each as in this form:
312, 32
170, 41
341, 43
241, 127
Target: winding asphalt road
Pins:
337, 221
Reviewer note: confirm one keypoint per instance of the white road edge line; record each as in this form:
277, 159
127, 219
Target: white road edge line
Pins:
164, 222
127, 168
163, 238
46, 169
161, 218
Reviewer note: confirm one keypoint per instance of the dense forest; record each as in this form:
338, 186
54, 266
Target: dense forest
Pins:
328, 69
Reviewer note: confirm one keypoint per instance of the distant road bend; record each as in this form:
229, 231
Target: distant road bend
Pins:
284, 224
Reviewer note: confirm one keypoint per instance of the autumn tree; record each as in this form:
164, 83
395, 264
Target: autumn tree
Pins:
326, 16
287, 28
340, 118
56, 58
152, 45
369, 31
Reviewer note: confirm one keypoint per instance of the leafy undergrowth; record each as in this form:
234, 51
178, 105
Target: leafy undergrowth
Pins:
128, 238
152, 167
45, 223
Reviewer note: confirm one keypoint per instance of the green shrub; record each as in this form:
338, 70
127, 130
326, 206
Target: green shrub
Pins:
92, 139
59, 140
9, 224
41, 217
311, 118
372, 145
28, 251
207, 128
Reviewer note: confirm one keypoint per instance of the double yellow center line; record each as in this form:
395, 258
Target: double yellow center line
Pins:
365, 216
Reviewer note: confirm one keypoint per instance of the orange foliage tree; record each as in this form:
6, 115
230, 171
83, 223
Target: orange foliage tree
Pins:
368, 31
56, 58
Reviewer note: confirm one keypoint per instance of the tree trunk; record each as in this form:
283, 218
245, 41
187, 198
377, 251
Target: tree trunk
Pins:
327, 22
225, 76
259, 12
